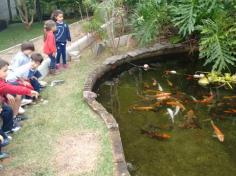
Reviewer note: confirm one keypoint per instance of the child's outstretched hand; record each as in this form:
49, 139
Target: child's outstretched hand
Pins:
1, 139
25, 83
34, 94
10, 98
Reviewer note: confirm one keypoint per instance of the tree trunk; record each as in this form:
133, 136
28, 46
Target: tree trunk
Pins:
9, 9
38, 10
27, 18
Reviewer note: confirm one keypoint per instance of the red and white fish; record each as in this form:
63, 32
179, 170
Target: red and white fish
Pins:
218, 132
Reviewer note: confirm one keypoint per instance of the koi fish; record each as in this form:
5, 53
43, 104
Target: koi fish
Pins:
154, 82
218, 132
177, 108
163, 97
229, 97
189, 77
143, 108
205, 100
170, 72
164, 94
193, 98
169, 83
156, 135
231, 111
171, 114
160, 88
175, 104
157, 104
150, 91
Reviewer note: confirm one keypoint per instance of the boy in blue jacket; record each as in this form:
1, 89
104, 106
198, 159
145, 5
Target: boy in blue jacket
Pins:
62, 35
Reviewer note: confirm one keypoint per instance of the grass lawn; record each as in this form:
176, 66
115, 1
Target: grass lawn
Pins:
33, 148
16, 33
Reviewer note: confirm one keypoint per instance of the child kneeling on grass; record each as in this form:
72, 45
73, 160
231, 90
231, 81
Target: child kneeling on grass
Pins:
27, 75
7, 90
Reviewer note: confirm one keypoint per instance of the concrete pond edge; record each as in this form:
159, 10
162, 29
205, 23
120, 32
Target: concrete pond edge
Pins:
108, 65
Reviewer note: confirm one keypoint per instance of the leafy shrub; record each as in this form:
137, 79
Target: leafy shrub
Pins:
148, 20
187, 14
217, 44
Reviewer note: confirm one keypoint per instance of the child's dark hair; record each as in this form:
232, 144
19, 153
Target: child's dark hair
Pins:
36, 57
48, 26
27, 46
55, 13
3, 63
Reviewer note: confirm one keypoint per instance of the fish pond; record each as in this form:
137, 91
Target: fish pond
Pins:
169, 124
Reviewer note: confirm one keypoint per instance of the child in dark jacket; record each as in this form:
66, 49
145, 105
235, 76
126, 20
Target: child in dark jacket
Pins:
62, 35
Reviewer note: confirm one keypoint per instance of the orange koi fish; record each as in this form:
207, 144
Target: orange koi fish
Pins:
218, 132
150, 91
156, 135
231, 111
157, 104
162, 96
143, 108
176, 103
205, 100
229, 97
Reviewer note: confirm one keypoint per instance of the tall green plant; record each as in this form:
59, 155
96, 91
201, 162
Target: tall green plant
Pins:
187, 14
148, 20
218, 44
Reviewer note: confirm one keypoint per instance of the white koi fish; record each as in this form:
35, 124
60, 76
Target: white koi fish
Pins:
177, 108
171, 114
160, 88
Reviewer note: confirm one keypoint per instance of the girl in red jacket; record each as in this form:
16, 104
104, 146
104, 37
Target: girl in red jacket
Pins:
50, 44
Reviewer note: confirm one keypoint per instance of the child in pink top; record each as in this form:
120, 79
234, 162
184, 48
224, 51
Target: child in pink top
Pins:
50, 44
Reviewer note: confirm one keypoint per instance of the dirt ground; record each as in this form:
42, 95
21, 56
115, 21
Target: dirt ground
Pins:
76, 154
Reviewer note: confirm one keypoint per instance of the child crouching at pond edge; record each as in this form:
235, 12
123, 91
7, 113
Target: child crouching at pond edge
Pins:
49, 47
62, 35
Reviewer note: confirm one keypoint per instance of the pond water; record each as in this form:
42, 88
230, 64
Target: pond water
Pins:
185, 145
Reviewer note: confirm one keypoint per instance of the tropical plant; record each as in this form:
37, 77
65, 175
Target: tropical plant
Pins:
218, 43
187, 14
148, 20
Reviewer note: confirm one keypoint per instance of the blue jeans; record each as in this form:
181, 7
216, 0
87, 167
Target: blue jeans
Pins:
61, 51
53, 61
34, 82
7, 118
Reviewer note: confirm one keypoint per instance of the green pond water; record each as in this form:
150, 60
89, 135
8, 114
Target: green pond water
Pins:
189, 151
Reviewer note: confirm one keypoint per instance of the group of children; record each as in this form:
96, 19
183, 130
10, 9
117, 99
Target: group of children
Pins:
19, 80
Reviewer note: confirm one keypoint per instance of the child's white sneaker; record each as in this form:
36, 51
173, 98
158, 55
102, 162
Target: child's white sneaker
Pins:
26, 101
21, 110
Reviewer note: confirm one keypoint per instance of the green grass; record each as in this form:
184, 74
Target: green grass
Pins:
16, 33
32, 149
